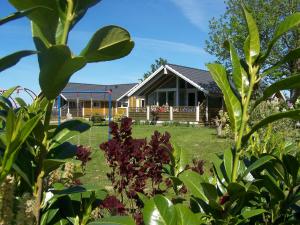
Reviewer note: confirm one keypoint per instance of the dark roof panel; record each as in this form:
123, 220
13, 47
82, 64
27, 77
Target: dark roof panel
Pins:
117, 91
198, 76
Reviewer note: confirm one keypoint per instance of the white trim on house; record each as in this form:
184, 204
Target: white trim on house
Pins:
63, 97
166, 67
145, 81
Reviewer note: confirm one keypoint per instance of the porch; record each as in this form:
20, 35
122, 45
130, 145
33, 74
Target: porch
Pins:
87, 109
193, 114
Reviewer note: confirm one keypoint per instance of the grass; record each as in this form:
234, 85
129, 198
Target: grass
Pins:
198, 142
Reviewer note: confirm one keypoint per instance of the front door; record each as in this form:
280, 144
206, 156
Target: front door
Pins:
191, 99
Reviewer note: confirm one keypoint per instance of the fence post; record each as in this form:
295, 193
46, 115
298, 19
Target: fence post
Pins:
197, 113
171, 113
83, 110
148, 112
127, 111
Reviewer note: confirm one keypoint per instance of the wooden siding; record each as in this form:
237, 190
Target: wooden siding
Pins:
184, 116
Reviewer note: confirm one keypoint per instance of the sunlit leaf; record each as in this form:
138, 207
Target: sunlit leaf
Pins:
57, 66
292, 55
18, 15
288, 83
239, 75
252, 48
160, 211
11, 60
233, 104
258, 163
192, 180
108, 43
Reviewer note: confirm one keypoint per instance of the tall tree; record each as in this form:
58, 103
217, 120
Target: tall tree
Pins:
268, 14
158, 63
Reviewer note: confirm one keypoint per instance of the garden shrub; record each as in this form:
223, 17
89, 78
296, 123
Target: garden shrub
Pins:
251, 184
135, 163
31, 150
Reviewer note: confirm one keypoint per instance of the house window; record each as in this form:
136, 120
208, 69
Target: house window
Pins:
162, 98
171, 98
152, 99
143, 102
122, 104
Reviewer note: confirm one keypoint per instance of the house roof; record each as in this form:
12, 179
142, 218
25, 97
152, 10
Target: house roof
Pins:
200, 79
118, 90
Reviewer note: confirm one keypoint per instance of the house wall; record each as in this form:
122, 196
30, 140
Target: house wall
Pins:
175, 92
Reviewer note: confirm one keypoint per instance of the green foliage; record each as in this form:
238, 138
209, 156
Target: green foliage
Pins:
13, 59
57, 66
108, 43
30, 148
161, 211
277, 39
233, 104
247, 187
51, 25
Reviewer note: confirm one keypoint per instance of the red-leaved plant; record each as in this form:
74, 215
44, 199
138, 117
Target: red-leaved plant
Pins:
135, 163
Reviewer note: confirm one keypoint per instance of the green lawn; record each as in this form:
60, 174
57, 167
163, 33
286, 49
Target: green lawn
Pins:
198, 142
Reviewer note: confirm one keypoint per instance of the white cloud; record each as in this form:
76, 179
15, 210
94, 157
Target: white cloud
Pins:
168, 46
199, 12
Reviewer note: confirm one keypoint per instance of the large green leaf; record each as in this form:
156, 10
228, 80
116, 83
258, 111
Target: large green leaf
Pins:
258, 163
292, 55
159, 211
114, 220
252, 48
220, 172
192, 180
272, 186
12, 59
108, 43
44, 20
286, 25
52, 164
233, 104
228, 162
186, 216
57, 66
67, 130
292, 166
251, 213
18, 15
239, 75
291, 82
181, 159
292, 114
62, 151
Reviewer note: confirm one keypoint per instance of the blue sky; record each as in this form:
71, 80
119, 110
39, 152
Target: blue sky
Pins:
171, 29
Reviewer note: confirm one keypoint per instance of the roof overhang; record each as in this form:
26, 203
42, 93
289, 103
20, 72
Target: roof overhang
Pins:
165, 68
127, 93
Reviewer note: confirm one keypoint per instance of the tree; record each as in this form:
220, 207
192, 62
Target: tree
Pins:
268, 14
158, 63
